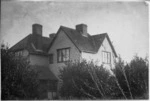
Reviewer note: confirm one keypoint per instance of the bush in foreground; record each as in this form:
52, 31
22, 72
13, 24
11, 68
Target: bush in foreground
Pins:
133, 77
88, 81
19, 81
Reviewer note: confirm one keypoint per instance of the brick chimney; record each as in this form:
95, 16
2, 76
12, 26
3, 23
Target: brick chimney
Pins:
52, 35
82, 28
37, 29
37, 36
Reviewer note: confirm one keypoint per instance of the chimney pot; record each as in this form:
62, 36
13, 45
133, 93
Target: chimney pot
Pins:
37, 29
82, 28
52, 35
37, 36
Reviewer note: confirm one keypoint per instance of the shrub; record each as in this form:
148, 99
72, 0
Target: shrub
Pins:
19, 81
137, 74
133, 77
87, 81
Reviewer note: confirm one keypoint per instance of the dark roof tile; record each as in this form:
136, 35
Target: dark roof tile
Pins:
82, 42
89, 44
28, 42
98, 39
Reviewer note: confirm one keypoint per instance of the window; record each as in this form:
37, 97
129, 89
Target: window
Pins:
63, 55
19, 53
50, 58
106, 57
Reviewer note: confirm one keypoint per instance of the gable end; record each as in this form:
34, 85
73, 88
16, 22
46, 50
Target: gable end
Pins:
66, 35
112, 47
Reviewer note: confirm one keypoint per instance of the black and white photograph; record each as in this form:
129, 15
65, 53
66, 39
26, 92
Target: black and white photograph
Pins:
74, 50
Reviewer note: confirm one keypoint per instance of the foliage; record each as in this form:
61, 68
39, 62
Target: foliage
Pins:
19, 81
133, 77
88, 81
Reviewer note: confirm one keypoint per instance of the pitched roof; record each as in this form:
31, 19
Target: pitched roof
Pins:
21, 44
83, 43
28, 43
89, 44
99, 38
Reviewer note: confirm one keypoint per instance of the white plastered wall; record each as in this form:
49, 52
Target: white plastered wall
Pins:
97, 58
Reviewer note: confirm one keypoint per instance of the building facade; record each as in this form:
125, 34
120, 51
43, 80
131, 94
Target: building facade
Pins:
49, 54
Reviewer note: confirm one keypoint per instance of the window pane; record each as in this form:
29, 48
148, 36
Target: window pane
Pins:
59, 55
106, 56
63, 55
67, 54
103, 56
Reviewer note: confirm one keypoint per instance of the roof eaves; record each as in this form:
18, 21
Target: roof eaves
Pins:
54, 39
106, 35
99, 45
111, 45
92, 52
38, 53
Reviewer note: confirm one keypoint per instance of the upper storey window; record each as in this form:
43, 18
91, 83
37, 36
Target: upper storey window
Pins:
106, 57
63, 55
19, 53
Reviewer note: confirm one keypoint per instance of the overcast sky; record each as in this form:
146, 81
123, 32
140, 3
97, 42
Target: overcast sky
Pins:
125, 22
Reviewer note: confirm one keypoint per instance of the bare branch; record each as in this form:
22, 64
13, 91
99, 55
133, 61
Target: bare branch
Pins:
99, 82
127, 83
120, 87
89, 86
85, 83
95, 83
83, 91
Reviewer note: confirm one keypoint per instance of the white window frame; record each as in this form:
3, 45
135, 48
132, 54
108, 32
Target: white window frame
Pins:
106, 57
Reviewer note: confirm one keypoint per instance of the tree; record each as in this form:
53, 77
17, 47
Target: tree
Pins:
137, 74
87, 81
82, 80
133, 77
19, 80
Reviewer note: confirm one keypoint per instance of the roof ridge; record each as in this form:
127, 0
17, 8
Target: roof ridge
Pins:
99, 34
67, 27
70, 37
72, 29
45, 37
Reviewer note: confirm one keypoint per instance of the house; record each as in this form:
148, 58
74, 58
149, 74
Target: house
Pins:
34, 47
77, 44
50, 54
